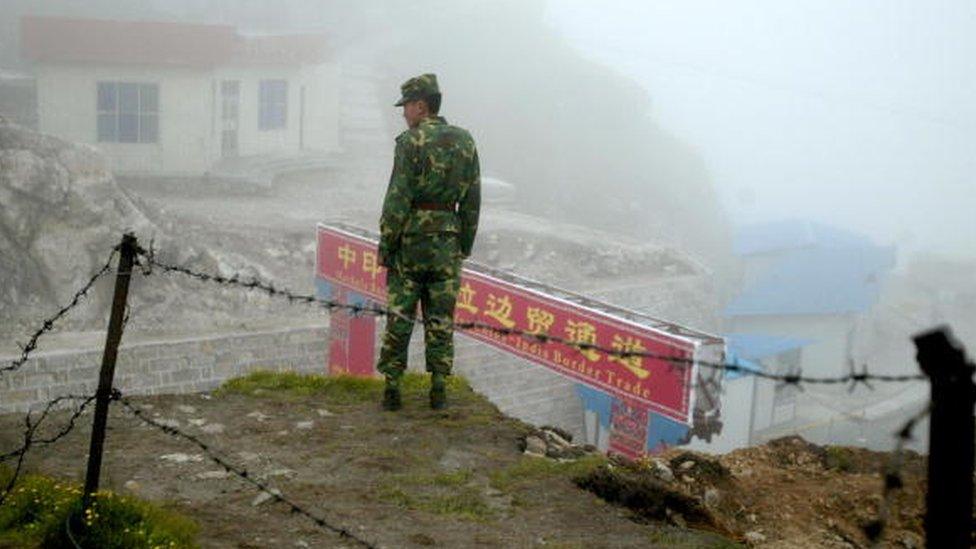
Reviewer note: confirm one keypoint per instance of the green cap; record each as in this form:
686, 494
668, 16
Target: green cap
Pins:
418, 87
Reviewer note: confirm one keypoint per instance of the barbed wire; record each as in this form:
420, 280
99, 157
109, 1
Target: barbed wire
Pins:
241, 473
48, 324
30, 429
853, 378
893, 476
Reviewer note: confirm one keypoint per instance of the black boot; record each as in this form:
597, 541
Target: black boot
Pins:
391, 395
438, 391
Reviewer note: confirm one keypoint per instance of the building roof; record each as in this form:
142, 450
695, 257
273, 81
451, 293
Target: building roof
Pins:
160, 43
816, 282
792, 234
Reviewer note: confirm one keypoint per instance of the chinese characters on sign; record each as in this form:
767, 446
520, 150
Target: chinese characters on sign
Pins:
349, 260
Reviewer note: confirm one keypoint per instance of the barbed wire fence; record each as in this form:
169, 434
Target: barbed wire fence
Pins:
146, 261
852, 378
32, 439
49, 323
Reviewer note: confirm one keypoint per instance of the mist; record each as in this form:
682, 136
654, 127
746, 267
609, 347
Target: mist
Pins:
858, 114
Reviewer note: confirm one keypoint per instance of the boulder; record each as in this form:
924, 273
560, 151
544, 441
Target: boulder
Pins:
62, 214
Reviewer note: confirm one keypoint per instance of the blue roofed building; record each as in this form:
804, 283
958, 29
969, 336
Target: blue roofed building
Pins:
810, 281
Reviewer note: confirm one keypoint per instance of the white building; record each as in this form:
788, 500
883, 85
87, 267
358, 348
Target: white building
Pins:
176, 99
809, 281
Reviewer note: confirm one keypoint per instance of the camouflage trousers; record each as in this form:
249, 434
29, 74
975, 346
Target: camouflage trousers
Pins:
418, 277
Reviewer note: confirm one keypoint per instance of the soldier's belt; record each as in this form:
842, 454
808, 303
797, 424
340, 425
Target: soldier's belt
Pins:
434, 206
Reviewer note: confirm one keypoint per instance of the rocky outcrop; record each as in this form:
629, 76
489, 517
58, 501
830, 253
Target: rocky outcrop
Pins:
62, 213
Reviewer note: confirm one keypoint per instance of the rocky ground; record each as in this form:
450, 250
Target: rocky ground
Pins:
468, 476
787, 493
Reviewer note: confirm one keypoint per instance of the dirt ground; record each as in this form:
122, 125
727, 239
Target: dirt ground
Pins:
801, 495
790, 493
416, 478
457, 478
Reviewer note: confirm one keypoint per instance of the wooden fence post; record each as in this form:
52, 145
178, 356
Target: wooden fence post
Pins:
949, 501
127, 253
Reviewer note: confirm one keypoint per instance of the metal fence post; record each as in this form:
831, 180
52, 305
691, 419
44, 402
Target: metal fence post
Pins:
127, 253
949, 502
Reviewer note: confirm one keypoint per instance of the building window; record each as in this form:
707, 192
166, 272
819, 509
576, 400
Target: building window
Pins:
273, 110
128, 112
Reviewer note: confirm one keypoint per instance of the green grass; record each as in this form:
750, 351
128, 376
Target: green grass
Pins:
839, 459
453, 494
529, 469
35, 513
465, 502
341, 389
456, 478
453, 479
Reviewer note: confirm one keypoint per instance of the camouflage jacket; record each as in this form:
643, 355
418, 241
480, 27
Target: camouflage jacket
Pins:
433, 163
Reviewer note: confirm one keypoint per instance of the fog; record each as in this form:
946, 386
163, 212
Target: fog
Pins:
859, 114
671, 124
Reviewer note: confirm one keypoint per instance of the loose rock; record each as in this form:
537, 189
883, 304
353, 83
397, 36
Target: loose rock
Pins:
661, 470
279, 473
182, 458
755, 537
535, 446
213, 428
711, 497
213, 475
265, 497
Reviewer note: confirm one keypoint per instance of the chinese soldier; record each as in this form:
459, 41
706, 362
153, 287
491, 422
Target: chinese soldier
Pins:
429, 220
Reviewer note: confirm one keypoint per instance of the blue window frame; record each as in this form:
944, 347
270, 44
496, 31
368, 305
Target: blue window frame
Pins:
273, 105
128, 112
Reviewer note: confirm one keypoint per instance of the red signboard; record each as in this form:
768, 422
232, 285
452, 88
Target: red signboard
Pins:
349, 260
352, 342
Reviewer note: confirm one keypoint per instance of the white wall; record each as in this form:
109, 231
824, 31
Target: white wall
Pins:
321, 124
189, 113
737, 403
251, 140
322, 107
67, 108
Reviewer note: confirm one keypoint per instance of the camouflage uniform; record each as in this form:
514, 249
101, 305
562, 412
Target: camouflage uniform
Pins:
428, 225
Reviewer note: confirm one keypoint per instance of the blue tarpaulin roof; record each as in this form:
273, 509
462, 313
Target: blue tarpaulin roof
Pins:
791, 235
816, 281
815, 270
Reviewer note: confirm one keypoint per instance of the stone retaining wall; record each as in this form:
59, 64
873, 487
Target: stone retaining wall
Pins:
178, 366
519, 388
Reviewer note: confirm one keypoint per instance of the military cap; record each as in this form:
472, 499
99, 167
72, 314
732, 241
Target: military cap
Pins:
418, 87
